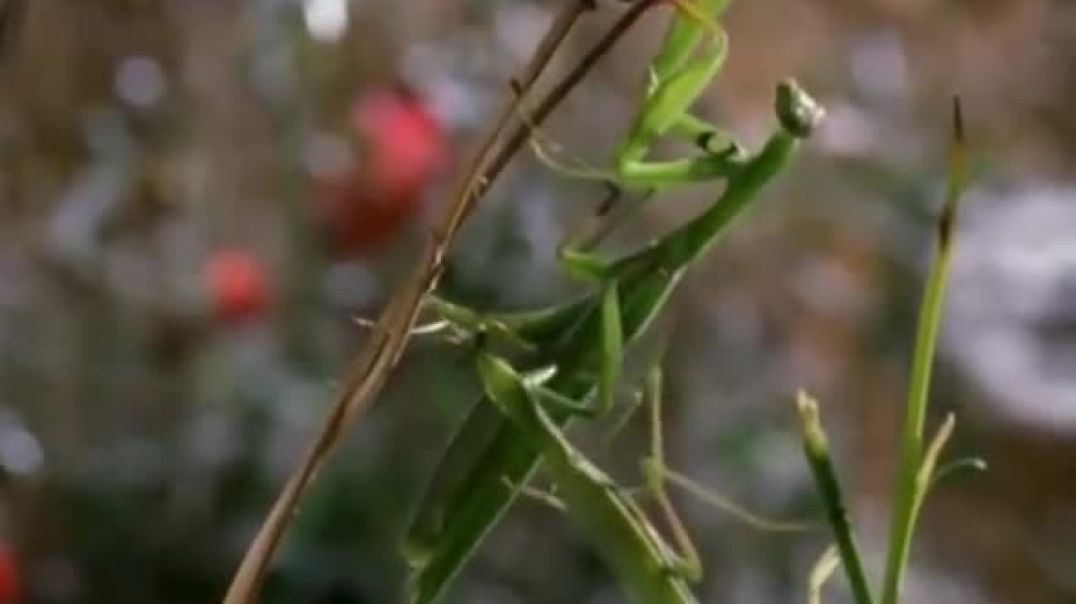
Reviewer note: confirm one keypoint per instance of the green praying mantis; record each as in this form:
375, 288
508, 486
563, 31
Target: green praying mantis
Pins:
584, 342
566, 359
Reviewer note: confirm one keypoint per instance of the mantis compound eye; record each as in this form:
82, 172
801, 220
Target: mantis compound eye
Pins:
798, 112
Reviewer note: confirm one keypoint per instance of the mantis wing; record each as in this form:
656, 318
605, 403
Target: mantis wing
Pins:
619, 530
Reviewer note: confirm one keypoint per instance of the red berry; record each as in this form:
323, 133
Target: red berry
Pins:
404, 149
405, 142
359, 222
237, 285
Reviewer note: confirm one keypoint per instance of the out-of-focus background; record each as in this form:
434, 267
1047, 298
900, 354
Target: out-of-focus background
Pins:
198, 197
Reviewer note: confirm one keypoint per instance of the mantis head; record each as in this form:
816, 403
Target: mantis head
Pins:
798, 112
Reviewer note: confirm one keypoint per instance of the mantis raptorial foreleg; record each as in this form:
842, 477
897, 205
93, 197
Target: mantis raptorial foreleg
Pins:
692, 54
665, 112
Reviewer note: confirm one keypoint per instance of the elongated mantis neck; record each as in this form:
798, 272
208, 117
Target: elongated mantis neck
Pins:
697, 236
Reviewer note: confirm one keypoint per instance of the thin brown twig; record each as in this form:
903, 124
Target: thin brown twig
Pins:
371, 369
552, 99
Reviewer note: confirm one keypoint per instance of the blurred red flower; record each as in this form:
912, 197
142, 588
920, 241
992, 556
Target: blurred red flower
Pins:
404, 148
237, 285
10, 582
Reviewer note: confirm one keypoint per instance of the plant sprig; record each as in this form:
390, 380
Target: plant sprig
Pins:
919, 460
911, 489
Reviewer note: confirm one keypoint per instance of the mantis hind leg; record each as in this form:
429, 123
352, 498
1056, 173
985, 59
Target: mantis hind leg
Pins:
658, 475
685, 562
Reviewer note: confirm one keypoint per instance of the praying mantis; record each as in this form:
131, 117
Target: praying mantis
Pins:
569, 356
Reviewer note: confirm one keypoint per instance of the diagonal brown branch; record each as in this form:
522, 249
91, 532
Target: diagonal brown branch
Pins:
371, 369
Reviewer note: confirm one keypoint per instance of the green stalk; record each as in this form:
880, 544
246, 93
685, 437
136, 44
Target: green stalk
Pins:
816, 447
910, 491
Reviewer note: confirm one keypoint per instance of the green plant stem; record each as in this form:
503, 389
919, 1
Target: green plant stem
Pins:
903, 516
816, 448
910, 491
